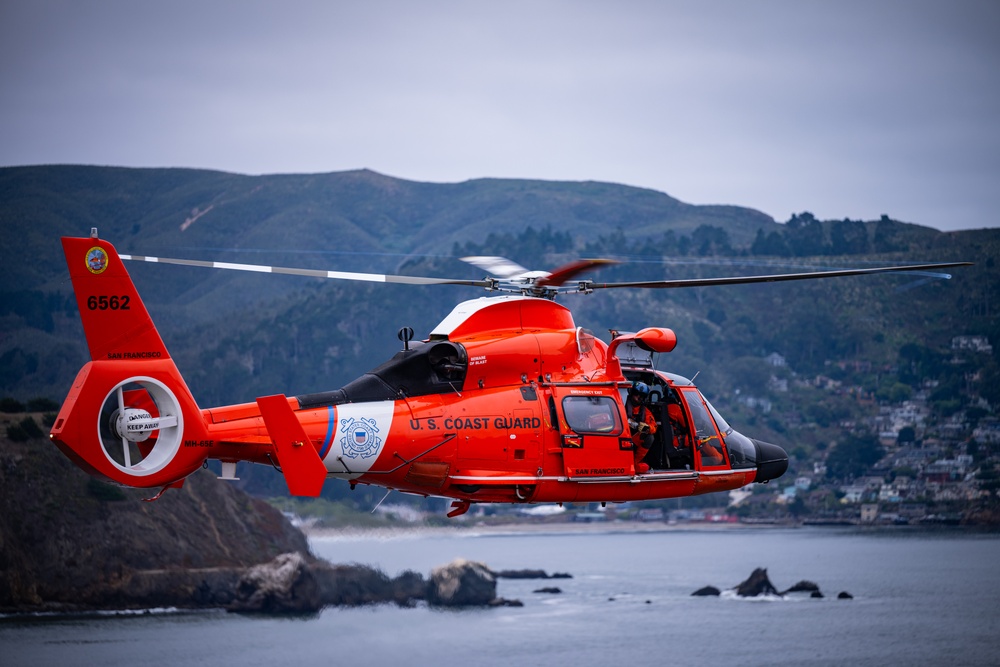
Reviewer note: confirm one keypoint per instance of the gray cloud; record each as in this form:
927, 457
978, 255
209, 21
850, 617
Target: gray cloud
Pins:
847, 109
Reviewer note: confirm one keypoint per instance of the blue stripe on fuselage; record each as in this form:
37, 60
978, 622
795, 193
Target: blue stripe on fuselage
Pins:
331, 421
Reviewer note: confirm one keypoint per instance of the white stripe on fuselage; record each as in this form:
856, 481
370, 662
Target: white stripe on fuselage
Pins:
358, 436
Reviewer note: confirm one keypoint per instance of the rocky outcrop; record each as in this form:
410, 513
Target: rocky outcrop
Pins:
286, 584
71, 543
531, 574
352, 585
757, 584
804, 586
462, 583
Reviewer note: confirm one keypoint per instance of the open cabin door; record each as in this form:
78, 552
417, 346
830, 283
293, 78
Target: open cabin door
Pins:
594, 440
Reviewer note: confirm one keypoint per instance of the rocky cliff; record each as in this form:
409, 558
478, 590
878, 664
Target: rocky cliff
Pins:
71, 543
68, 541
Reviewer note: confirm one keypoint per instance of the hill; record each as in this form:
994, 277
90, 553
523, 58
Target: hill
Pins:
70, 541
237, 336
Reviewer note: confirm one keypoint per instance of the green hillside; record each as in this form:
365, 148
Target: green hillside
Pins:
350, 221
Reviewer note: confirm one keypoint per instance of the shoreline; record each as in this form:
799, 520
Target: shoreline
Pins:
560, 528
413, 531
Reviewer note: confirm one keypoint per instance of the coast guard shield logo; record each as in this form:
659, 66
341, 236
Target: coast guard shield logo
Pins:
359, 439
97, 260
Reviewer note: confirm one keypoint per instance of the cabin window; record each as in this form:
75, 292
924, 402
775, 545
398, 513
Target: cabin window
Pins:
592, 414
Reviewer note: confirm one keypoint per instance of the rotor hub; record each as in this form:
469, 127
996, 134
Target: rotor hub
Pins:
136, 424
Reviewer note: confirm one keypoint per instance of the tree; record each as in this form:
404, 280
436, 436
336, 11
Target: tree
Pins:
848, 237
711, 240
806, 238
885, 233
770, 244
853, 456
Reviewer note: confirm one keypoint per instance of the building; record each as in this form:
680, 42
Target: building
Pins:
973, 343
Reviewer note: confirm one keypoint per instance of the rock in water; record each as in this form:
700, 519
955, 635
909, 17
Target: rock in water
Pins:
286, 584
462, 583
707, 591
804, 586
757, 584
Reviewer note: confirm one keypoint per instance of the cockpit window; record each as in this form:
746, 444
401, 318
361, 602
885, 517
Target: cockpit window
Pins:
703, 424
724, 426
709, 442
592, 414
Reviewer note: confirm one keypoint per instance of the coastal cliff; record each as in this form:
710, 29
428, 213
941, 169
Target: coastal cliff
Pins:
69, 542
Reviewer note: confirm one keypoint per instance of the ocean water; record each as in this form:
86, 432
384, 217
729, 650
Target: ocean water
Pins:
920, 598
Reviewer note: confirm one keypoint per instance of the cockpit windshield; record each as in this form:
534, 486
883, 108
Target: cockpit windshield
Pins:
724, 427
708, 441
742, 453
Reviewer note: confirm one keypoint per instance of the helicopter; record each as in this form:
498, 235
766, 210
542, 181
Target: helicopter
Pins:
507, 400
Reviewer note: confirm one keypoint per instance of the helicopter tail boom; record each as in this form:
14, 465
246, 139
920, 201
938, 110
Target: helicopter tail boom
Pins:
129, 416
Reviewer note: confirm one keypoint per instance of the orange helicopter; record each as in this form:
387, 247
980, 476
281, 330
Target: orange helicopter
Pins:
506, 401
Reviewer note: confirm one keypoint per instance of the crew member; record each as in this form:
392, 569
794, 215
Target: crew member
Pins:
641, 422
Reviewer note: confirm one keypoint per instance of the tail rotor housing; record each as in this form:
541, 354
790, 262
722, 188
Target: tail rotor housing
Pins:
141, 426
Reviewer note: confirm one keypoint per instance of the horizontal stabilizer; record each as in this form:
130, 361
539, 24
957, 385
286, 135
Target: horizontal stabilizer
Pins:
300, 463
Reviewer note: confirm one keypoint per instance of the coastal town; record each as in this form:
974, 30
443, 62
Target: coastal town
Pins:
916, 456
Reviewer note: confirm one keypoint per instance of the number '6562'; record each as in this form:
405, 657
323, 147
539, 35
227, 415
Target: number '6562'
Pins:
108, 302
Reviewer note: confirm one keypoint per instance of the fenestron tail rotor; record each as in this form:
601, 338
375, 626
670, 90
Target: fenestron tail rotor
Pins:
140, 426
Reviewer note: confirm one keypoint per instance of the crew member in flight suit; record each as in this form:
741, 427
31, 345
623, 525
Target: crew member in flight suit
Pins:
641, 422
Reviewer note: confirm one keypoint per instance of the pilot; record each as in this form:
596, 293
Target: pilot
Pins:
676, 416
641, 422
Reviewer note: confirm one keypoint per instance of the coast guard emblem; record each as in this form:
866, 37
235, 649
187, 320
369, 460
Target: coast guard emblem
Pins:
97, 260
359, 439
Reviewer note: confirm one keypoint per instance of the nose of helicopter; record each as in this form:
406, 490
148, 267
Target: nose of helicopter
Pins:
772, 461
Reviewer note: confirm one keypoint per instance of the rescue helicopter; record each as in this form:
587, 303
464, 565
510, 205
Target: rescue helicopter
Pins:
507, 400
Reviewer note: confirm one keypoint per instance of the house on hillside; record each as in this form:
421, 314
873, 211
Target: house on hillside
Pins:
973, 343
776, 360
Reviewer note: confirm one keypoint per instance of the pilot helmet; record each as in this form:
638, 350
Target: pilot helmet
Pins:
640, 389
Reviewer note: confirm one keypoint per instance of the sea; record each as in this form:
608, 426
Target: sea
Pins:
918, 598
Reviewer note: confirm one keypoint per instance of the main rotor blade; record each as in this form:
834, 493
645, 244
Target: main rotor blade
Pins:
496, 266
568, 271
312, 273
744, 280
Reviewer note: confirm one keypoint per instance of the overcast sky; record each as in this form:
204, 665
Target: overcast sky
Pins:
843, 108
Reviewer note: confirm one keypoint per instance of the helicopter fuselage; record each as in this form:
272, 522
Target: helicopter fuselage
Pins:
508, 409
507, 400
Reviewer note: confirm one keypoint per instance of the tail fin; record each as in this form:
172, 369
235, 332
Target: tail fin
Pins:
115, 320
129, 416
